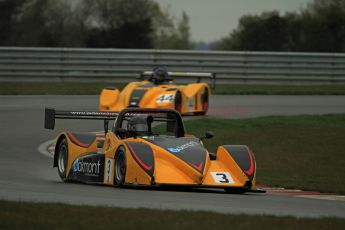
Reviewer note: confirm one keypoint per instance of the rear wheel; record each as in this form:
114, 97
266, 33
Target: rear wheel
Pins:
178, 102
62, 159
204, 103
120, 167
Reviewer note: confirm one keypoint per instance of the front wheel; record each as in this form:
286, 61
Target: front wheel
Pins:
178, 102
62, 159
120, 167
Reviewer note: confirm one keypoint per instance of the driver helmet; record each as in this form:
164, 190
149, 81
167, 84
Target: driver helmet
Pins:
160, 73
137, 125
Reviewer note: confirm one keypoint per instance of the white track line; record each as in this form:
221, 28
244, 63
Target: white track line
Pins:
43, 148
324, 197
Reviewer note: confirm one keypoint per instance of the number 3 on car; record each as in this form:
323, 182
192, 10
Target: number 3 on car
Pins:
108, 174
222, 177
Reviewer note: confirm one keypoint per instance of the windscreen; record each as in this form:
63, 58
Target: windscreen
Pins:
152, 123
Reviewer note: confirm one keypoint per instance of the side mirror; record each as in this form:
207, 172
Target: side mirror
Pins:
149, 121
208, 135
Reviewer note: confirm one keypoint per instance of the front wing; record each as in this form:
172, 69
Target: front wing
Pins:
234, 166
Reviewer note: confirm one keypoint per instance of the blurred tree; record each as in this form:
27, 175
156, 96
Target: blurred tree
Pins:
119, 23
91, 23
170, 36
183, 32
133, 24
323, 23
62, 24
320, 27
44, 23
265, 32
9, 11
30, 29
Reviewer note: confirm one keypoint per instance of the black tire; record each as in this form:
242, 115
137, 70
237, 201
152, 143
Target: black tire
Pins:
178, 101
204, 103
120, 167
62, 159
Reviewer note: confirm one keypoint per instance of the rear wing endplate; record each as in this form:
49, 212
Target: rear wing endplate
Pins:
52, 114
199, 76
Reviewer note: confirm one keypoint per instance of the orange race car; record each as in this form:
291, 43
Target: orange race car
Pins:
157, 90
148, 147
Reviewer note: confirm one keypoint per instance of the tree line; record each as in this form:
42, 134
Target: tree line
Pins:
143, 24
91, 23
320, 27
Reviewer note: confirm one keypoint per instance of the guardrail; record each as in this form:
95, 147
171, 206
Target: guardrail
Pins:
69, 64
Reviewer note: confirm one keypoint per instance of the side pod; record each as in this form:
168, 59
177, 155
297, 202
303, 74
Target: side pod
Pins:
108, 98
243, 157
78, 143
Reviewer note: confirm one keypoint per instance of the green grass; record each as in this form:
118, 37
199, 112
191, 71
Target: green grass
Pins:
55, 88
92, 88
281, 89
306, 152
19, 215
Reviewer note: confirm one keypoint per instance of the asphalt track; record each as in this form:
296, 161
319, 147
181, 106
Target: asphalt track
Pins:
27, 175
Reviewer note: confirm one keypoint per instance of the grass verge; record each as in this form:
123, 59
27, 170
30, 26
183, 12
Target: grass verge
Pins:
281, 89
78, 88
19, 215
54, 88
305, 152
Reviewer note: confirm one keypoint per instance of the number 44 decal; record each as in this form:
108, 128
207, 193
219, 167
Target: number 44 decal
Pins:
222, 177
164, 98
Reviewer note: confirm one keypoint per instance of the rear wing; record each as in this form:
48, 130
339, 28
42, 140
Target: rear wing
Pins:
52, 114
198, 76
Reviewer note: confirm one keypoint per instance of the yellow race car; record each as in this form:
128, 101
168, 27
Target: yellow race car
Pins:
148, 147
157, 90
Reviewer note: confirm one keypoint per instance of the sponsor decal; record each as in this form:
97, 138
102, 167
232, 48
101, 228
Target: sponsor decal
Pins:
93, 113
165, 98
88, 168
182, 147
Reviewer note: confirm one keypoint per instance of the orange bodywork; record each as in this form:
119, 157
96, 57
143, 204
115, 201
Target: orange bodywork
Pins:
74, 150
145, 157
155, 96
169, 169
